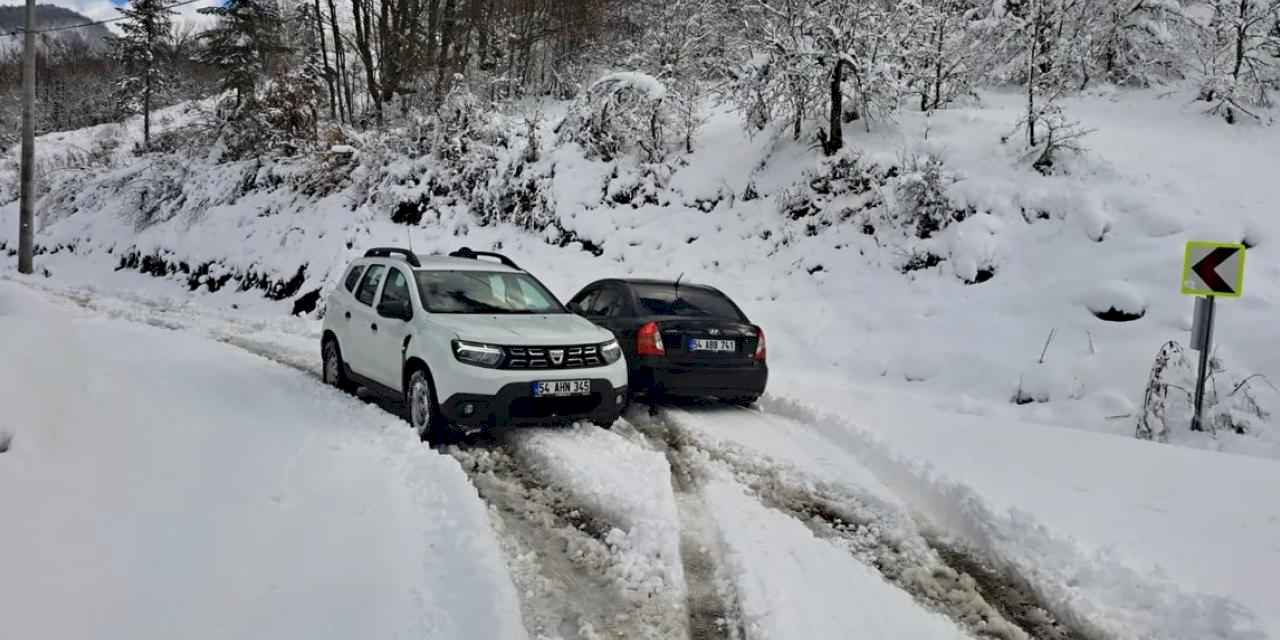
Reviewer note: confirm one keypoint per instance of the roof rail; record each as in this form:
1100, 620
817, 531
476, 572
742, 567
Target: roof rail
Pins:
467, 253
387, 252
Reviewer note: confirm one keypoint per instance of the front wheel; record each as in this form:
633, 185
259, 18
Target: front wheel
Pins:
334, 371
424, 412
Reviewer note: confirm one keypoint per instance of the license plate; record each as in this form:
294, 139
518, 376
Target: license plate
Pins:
561, 388
699, 344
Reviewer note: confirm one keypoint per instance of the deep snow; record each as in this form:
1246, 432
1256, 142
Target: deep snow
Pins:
164, 485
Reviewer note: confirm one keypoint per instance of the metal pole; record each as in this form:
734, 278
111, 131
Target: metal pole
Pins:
26, 216
1197, 423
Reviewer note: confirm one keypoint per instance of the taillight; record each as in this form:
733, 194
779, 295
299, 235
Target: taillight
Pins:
760, 348
649, 341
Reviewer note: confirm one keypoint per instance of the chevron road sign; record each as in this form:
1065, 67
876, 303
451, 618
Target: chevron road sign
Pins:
1213, 269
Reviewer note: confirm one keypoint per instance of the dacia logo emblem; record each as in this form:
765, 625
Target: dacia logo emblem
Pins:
714, 332
557, 356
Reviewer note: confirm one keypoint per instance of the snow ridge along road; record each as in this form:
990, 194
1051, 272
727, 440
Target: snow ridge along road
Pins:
873, 531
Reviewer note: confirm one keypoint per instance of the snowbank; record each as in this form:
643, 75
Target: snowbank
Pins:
1137, 539
221, 495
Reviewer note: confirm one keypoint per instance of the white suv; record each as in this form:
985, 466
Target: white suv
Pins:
469, 342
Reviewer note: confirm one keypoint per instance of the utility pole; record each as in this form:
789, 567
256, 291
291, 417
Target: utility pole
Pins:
26, 214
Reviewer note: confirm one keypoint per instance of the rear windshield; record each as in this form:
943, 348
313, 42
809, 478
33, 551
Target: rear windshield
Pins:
484, 292
666, 300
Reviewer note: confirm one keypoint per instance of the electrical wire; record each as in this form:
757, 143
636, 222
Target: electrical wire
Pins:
68, 27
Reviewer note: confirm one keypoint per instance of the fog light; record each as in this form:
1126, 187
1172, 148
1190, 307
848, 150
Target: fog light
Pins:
468, 409
621, 398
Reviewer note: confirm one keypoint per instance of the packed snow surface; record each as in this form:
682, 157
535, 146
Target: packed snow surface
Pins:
162, 485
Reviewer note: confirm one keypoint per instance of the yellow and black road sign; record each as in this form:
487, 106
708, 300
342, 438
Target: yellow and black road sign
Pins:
1213, 269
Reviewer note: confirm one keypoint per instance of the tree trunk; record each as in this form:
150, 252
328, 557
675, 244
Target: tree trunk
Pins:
340, 61
446, 41
835, 138
1031, 75
937, 62
1241, 34
146, 113
324, 55
363, 21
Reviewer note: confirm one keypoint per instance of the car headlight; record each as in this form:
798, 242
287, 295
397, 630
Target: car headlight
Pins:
474, 353
611, 351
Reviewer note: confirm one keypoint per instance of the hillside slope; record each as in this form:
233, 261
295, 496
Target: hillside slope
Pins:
822, 253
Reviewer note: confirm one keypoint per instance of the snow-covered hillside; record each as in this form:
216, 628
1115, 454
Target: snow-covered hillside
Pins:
815, 249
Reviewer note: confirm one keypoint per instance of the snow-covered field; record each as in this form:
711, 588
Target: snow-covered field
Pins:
888, 458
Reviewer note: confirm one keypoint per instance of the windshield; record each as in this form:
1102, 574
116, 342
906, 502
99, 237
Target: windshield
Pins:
484, 292
665, 300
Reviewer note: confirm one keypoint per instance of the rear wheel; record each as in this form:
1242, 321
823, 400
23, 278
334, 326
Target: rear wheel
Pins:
605, 424
424, 412
334, 371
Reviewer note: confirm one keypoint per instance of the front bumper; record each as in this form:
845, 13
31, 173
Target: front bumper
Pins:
514, 405
657, 376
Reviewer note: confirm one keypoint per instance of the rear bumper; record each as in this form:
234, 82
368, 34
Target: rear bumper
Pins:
514, 405
659, 377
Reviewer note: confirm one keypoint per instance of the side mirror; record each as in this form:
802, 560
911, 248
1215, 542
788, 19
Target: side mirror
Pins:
396, 309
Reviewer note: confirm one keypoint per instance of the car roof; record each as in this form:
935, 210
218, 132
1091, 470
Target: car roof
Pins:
447, 263
653, 281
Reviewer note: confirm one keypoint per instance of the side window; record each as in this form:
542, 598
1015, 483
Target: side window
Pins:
397, 289
608, 303
353, 277
582, 303
369, 286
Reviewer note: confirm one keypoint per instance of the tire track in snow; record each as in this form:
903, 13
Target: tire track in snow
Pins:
557, 552
944, 578
714, 613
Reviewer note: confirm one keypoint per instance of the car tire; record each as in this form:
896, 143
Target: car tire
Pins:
606, 425
744, 401
422, 408
333, 369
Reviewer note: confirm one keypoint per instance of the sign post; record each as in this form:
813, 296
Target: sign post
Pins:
1209, 270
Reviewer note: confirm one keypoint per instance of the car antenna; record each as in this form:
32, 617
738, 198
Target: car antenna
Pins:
678, 279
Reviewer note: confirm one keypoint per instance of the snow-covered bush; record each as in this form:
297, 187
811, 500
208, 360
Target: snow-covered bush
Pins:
1055, 136
1234, 403
620, 113
921, 194
1171, 371
461, 120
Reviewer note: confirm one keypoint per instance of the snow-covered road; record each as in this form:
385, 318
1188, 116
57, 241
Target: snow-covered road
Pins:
697, 521
162, 485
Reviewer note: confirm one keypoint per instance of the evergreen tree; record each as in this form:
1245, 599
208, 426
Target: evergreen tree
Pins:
146, 29
242, 44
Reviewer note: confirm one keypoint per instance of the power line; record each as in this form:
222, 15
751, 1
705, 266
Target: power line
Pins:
68, 27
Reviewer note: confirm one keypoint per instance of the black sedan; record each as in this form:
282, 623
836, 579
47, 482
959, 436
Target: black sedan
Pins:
680, 339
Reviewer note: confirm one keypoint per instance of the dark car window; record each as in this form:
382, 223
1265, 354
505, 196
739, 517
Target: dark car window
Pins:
369, 286
608, 303
354, 277
582, 303
484, 292
397, 289
666, 300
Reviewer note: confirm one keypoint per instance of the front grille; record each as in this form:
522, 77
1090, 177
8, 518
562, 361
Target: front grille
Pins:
580, 356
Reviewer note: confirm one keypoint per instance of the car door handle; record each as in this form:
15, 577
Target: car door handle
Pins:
348, 315
374, 326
